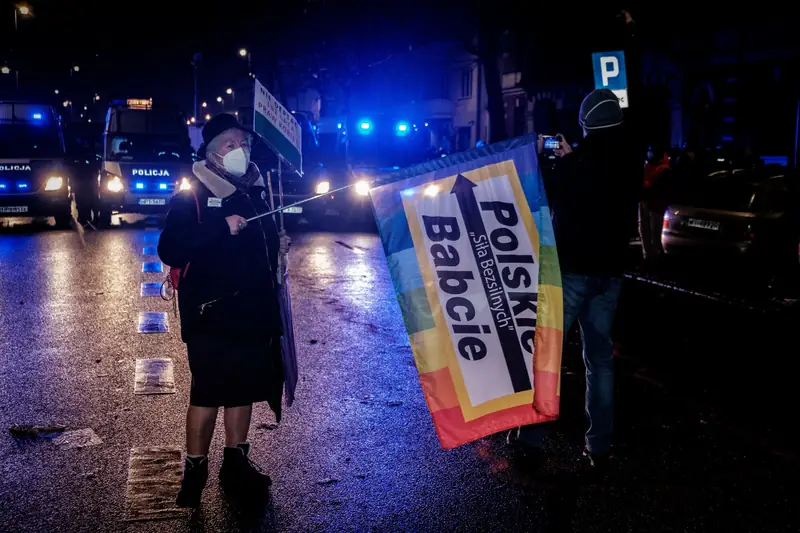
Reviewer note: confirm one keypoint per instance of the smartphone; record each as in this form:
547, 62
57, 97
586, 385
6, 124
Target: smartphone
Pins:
552, 142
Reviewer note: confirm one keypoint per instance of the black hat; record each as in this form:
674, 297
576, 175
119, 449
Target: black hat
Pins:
599, 110
223, 122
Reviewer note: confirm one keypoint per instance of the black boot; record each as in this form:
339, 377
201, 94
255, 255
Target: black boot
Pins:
195, 474
241, 476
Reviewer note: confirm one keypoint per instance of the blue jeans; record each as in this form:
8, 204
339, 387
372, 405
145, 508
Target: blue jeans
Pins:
593, 302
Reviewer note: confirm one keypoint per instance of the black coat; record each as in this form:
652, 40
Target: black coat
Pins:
593, 195
228, 286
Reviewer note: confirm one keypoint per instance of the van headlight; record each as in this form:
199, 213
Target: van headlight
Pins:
362, 188
114, 184
323, 187
185, 184
54, 183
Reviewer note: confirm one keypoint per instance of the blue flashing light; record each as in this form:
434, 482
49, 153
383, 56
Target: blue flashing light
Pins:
162, 186
22, 185
339, 125
2, 185
365, 125
140, 185
37, 116
402, 127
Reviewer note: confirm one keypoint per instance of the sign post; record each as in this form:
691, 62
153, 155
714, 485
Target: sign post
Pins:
281, 131
609, 73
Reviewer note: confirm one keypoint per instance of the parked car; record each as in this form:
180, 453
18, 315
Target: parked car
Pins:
737, 214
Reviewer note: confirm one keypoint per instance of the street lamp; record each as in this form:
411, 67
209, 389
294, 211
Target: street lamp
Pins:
21, 10
204, 104
229, 90
56, 91
97, 97
245, 53
76, 68
208, 117
219, 99
5, 70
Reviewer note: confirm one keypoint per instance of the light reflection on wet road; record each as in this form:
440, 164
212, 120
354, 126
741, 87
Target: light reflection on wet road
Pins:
358, 451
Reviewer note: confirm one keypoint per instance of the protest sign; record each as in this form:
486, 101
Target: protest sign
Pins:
278, 127
471, 251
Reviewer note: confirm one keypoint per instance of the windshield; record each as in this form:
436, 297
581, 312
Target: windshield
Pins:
148, 148
147, 135
378, 143
729, 193
30, 141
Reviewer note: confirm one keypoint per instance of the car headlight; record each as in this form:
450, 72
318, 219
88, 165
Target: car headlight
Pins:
362, 188
114, 184
185, 185
54, 183
323, 187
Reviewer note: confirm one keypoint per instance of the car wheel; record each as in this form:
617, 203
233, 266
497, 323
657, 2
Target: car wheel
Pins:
64, 221
84, 214
102, 218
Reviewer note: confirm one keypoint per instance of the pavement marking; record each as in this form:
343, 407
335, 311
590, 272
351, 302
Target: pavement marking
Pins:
78, 438
149, 250
154, 476
151, 288
152, 266
154, 376
150, 322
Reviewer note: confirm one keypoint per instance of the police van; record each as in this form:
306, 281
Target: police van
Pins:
34, 179
147, 158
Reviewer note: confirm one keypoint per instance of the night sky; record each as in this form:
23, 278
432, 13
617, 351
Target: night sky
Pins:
145, 49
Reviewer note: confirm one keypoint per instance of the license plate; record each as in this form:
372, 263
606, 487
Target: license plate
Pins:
152, 201
703, 224
14, 209
293, 210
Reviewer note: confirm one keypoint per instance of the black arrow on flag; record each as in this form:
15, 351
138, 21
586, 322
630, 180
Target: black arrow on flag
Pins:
464, 190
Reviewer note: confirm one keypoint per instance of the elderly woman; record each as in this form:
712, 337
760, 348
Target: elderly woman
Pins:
227, 294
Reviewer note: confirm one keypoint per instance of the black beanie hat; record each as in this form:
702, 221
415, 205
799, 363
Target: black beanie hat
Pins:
599, 110
221, 123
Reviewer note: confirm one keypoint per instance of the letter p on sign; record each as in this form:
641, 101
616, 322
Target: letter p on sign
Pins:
609, 73
609, 68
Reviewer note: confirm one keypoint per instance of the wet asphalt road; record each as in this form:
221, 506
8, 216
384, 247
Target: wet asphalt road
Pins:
358, 451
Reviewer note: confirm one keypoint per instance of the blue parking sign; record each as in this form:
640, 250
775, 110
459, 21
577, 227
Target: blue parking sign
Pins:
609, 73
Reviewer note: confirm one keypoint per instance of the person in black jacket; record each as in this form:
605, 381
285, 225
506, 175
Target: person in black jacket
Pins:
229, 309
593, 194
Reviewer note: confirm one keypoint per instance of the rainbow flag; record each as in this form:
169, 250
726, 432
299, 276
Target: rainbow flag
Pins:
470, 247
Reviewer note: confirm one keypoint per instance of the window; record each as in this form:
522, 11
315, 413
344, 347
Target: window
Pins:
466, 83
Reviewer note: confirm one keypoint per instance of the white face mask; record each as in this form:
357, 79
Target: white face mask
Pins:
236, 162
